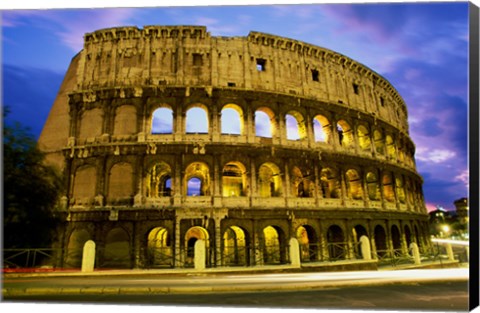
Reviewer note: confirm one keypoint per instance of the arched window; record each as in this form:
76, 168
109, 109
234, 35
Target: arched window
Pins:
232, 120
379, 144
390, 146
269, 180
354, 184
295, 126
345, 134
363, 138
388, 192
321, 128
330, 183
233, 180
197, 121
302, 187
91, 123
159, 181
162, 121
264, 123
197, 179
372, 187
399, 187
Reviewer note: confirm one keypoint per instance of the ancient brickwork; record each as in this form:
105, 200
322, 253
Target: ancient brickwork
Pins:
146, 179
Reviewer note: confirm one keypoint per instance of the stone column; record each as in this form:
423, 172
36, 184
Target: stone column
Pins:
178, 254
295, 253
365, 248
310, 131
218, 242
200, 255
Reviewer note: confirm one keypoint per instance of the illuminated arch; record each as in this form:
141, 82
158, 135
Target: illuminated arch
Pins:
158, 181
235, 242
196, 120
357, 232
321, 128
159, 250
162, 121
302, 186
295, 126
363, 138
391, 150
273, 243
345, 134
354, 184
265, 123
197, 179
378, 140
234, 180
192, 235
400, 189
388, 193
269, 180
77, 240
330, 183
373, 187
232, 120
307, 239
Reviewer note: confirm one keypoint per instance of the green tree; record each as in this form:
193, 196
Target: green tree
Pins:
30, 193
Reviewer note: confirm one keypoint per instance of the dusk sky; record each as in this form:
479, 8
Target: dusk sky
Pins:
421, 48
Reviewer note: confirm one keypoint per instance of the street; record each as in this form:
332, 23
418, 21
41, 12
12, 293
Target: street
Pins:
443, 296
432, 289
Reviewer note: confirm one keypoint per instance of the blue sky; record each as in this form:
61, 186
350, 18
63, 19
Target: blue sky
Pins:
421, 48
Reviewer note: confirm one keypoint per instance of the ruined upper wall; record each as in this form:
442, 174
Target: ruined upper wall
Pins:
188, 55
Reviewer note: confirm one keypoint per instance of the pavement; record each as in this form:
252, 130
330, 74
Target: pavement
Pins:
214, 280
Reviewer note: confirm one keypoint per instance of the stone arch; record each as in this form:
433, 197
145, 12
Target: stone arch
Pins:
265, 123
269, 180
232, 120
388, 189
295, 126
158, 180
235, 246
74, 253
408, 235
302, 186
273, 245
363, 135
322, 129
125, 122
117, 249
191, 236
91, 123
396, 239
380, 241
354, 184
336, 243
345, 134
330, 183
234, 180
197, 179
159, 247
378, 140
357, 232
84, 184
373, 187
308, 241
196, 119
390, 146
120, 181
162, 121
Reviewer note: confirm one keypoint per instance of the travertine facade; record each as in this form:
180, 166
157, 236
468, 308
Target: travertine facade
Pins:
146, 179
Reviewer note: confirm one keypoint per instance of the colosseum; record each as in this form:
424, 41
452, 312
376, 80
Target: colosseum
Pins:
167, 136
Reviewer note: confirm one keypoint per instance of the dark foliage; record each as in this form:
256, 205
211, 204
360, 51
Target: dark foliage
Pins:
30, 191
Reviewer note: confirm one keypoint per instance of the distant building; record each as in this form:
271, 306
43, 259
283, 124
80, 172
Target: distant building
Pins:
461, 206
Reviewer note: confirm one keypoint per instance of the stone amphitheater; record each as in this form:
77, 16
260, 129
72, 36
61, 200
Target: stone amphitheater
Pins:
167, 136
